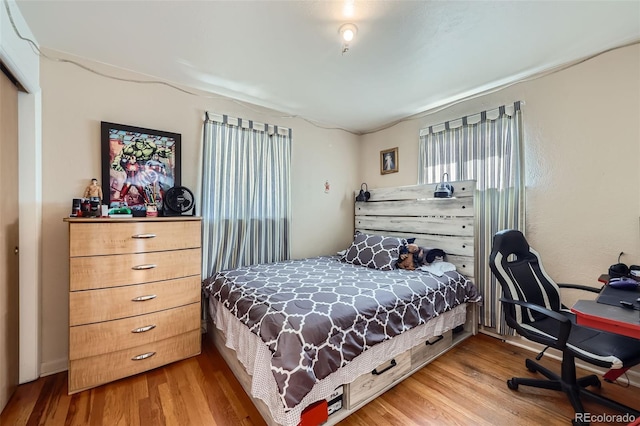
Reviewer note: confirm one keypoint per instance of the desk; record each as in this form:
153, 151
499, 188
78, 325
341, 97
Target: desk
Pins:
614, 319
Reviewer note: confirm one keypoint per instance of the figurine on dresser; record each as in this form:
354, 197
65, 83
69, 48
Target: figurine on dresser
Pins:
93, 190
89, 205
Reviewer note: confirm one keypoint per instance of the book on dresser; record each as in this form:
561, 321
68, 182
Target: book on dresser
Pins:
134, 296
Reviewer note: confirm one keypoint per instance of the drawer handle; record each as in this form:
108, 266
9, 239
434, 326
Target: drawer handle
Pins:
392, 364
143, 236
143, 356
428, 343
144, 267
144, 298
143, 329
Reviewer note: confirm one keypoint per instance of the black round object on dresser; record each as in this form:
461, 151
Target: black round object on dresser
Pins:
178, 201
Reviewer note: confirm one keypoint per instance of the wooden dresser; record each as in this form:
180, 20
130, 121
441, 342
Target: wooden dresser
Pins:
134, 296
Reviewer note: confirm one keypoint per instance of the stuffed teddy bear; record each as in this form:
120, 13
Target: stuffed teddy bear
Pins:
411, 257
405, 261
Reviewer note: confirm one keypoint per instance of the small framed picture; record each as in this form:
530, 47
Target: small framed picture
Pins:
389, 161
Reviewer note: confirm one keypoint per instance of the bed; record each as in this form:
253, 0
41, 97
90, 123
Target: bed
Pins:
347, 328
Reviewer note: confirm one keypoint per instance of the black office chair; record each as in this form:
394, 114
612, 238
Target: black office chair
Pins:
531, 301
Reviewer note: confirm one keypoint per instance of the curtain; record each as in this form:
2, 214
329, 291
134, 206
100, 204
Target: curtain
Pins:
489, 152
246, 209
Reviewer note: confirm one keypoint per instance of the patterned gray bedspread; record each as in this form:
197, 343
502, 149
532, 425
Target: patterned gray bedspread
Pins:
317, 314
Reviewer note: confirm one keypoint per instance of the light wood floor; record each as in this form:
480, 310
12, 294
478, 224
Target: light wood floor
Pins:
467, 386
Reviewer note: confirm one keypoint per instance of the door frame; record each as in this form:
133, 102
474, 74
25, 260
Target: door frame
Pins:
24, 65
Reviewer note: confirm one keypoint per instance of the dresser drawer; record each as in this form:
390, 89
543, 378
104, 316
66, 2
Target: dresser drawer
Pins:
103, 238
431, 348
90, 306
93, 371
380, 378
116, 270
100, 338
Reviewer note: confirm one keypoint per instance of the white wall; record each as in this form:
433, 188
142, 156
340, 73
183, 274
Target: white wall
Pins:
582, 161
74, 103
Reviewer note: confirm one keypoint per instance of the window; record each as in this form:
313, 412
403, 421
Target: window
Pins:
246, 207
488, 151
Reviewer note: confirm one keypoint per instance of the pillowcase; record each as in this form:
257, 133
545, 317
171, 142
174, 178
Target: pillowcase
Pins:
374, 251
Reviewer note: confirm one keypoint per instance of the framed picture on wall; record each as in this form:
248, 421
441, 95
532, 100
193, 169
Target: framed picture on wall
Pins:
138, 165
389, 161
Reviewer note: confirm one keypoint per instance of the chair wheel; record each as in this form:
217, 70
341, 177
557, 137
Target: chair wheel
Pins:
512, 384
592, 380
531, 366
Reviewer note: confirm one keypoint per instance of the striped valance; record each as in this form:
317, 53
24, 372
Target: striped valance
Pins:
473, 119
248, 124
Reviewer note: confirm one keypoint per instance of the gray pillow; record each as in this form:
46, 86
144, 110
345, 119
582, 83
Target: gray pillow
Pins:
374, 251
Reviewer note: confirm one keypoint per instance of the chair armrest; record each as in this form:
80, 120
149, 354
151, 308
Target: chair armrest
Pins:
581, 287
564, 324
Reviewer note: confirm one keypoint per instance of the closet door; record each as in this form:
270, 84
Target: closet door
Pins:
9, 357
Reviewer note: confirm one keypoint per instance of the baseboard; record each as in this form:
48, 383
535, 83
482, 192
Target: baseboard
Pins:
54, 367
632, 376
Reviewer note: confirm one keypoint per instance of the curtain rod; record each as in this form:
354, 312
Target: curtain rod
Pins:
472, 119
247, 124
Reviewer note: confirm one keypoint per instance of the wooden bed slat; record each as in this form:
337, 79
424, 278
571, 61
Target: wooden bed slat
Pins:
462, 246
459, 226
455, 207
461, 189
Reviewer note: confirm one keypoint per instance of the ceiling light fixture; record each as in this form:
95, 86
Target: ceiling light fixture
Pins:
347, 34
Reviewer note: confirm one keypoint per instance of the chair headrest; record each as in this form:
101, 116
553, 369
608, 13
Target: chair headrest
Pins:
511, 241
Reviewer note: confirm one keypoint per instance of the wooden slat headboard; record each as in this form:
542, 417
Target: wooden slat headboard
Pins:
411, 211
